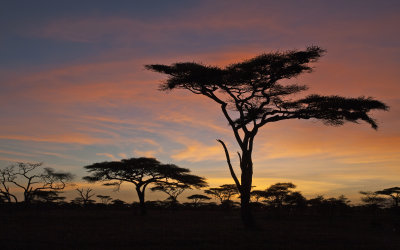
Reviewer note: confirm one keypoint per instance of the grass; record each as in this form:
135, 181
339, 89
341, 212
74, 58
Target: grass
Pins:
185, 229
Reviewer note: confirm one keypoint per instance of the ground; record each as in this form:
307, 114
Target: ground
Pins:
188, 229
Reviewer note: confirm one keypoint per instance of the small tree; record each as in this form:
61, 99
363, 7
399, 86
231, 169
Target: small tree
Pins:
257, 194
198, 198
48, 196
7, 174
372, 199
224, 192
277, 193
105, 199
295, 199
173, 190
28, 177
393, 192
118, 203
251, 94
84, 197
141, 172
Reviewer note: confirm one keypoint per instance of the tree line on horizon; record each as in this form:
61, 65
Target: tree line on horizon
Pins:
45, 186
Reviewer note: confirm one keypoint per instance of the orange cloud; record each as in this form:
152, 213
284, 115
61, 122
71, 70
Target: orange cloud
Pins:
74, 138
195, 151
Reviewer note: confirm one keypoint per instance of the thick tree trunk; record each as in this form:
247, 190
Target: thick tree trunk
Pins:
246, 181
142, 204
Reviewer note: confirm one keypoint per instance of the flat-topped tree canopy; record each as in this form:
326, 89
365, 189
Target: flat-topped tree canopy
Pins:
141, 172
253, 88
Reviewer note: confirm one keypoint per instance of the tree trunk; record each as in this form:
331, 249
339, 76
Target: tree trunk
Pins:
246, 181
142, 204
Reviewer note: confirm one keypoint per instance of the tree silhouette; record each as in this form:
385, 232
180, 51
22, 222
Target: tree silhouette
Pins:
257, 194
173, 190
372, 199
251, 94
320, 202
295, 199
105, 199
118, 203
224, 192
6, 174
141, 172
27, 177
393, 192
84, 197
48, 196
277, 193
198, 198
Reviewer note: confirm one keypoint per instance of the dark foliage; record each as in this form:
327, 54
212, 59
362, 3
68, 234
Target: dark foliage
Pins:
34, 182
393, 193
141, 172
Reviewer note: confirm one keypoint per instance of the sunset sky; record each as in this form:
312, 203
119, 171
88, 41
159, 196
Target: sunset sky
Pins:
74, 91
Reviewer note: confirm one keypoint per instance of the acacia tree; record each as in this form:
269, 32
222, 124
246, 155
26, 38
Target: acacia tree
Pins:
105, 199
48, 196
141, 172
197, 199
277, 193
251, 94
224, 192
257, 194
372, 199
27, 177
393, 192
173, 190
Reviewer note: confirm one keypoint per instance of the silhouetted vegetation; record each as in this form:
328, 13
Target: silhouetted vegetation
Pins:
197, 199
393, 193
251, 94
287, 220
223, 193
84, 197
33, 181
142, 172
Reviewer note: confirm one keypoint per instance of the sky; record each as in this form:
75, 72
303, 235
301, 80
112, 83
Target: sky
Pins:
74, 90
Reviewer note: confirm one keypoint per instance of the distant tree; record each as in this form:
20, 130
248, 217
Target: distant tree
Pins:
84, 197
48, 196
141, 172
198, 198
251, 94
224, 192
295, 199
173, 190
320, 201
372, 199
258, 194
178, 186
6, 174
27, 177
105, 199
393, 192
276, 194
118, 203
317, 201
341, 201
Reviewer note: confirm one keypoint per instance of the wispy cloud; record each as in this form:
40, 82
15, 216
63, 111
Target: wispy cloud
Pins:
60, 138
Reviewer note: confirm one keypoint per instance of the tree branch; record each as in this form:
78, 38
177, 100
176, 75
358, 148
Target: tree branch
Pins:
230, 165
